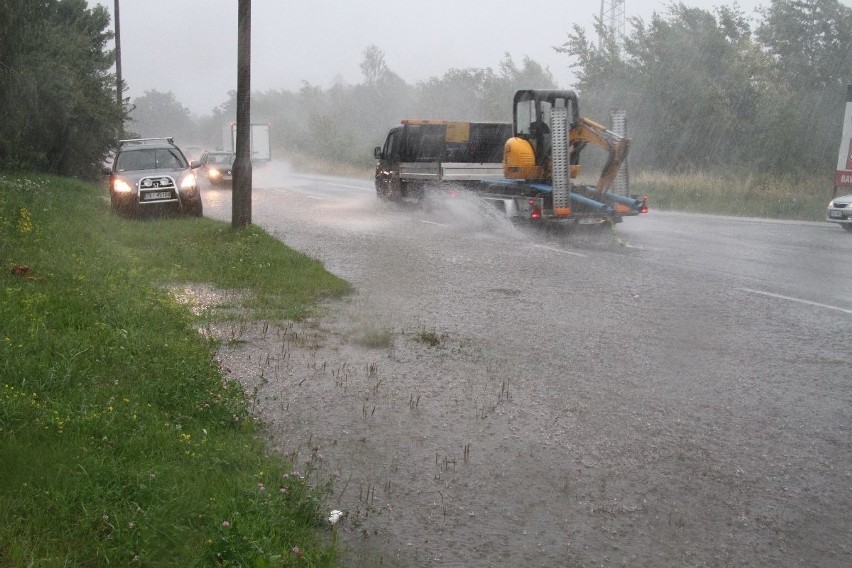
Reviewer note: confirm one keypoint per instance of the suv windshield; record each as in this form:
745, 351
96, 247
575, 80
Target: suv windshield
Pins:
150, 159
227, 159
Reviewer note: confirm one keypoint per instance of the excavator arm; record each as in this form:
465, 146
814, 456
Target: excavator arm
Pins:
587, 131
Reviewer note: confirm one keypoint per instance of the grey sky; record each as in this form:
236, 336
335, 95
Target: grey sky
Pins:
188, 47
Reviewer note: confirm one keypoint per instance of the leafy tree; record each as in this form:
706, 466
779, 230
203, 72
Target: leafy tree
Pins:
596, 64
461, 94
57, 96
702, 91
373, 65
692, 76
811, 41
530, 75
480, 94
157, 114
501, 90
382, 99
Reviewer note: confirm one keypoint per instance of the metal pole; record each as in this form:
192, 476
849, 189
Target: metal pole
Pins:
241, 197
119, 90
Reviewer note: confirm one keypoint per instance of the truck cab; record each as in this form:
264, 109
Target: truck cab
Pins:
421, 154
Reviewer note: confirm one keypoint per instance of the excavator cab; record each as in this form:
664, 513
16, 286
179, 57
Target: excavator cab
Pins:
529, 153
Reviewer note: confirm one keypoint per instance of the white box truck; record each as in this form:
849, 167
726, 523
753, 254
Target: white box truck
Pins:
259, 142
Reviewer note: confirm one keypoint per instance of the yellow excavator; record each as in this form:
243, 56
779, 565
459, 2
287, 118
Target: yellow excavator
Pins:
542, 159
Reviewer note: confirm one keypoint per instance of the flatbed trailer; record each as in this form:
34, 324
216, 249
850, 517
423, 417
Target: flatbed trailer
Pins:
526, 168
534, 201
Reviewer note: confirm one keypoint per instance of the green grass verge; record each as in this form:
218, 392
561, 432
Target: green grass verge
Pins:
802, 198
119, 441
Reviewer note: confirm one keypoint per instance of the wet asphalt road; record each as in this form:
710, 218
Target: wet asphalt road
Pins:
675, 393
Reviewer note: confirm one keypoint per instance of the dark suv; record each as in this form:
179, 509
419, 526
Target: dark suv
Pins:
150, 173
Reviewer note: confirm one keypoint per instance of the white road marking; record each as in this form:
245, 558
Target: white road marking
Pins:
291, 192
347, 186
799, 300
334, 184
432, 223
554, 249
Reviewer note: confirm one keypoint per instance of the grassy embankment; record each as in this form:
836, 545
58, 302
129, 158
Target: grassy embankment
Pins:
775, 198
119, 441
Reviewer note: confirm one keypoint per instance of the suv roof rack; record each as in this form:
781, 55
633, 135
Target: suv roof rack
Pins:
168, 139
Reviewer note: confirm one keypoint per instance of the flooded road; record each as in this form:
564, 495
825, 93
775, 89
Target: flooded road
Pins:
676, 393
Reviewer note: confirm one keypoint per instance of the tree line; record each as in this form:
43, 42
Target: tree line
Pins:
714, 90
344, 122
703, 90
59, 112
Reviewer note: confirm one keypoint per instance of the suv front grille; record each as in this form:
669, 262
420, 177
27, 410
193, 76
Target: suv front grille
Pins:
157, 189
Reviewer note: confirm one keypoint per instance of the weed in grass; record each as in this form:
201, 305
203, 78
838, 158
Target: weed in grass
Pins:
343, 375
430, 338
376, 338
372, 369
504, 390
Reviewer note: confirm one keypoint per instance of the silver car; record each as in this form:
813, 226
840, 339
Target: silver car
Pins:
840, 211
218, 167
150, 173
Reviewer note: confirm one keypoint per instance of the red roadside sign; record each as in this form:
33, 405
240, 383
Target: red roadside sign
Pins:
843, 176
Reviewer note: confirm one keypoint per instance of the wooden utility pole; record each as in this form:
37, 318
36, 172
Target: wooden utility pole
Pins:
241, 197
119, 89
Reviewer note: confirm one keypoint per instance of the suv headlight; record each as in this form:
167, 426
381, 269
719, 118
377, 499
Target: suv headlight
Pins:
188, 182
121, 186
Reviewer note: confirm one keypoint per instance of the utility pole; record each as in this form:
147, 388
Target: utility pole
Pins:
241, 197
119, 89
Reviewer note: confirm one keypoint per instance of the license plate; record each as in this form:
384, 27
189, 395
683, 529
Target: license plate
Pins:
151, 195
835, 214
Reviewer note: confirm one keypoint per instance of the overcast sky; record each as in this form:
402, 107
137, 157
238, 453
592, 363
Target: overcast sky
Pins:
188, 47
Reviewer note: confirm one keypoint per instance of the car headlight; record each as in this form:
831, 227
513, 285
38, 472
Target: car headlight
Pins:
188, 182
214, 173
121, 186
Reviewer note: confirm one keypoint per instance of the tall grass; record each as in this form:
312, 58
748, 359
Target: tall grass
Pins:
790, 197
314, 164
119, 440
801, 197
